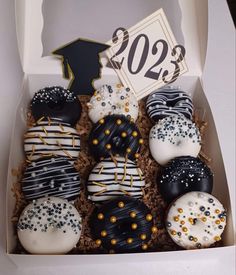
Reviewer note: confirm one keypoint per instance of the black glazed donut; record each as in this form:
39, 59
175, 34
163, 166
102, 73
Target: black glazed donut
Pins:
182, 175
56, 103
122, 225
168, 101
115, 135
54, 176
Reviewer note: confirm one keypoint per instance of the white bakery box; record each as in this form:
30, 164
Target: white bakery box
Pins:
194, 22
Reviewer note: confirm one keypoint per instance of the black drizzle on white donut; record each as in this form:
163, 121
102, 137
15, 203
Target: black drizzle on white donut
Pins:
56, 103
115, 135
168, 101
51, 177
182, 175
122, 225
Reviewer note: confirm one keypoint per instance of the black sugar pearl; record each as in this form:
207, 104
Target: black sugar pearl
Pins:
207, 213
202, 208
210, 200
190, 238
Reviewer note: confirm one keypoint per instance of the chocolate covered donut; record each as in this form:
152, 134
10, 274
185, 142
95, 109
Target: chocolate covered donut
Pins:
196, 220
111, 178
51, 177
49, 226
122, 225
172, 137
168, 101
51, 139
115, 135
56, 103
182, 175
113, 99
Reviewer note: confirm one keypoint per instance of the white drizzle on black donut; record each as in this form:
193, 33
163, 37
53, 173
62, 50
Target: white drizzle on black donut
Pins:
111, 178
51, 139
51, 177
168, 101
172, 137
57, 103
182, 175
122, 225
115, 135
49, 226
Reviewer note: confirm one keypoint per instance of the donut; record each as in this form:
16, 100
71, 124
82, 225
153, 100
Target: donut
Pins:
168, 101
56, 103
182, 175
112, 99
51, 139
111, 178
51, 177
196, 220
172, 137
115, 135
49, 226
122, 225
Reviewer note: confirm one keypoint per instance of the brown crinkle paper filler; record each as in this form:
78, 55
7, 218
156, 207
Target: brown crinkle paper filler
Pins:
84, 164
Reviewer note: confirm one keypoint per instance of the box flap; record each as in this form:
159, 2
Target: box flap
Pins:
30, 22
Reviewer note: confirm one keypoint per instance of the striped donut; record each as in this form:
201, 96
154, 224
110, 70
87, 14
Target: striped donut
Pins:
51, 139
169, 101
51, 177
112, 178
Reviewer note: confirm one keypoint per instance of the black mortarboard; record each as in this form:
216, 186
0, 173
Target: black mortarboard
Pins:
81, 63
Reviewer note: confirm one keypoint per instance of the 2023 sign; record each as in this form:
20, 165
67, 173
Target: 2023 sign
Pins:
146, 59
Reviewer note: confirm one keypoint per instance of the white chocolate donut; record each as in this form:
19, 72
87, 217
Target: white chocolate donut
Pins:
196, 220
110, 179
49, 226
109, 100
174, 136
51, 138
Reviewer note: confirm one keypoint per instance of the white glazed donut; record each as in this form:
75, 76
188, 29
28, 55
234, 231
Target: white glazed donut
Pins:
51, 138
49, 226
112, 99
174, 136
196, 220
110, 179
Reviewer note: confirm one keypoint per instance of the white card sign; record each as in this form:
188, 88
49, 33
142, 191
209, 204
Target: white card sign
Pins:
147, 56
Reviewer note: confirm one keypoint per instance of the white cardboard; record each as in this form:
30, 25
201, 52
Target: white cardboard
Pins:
44, 71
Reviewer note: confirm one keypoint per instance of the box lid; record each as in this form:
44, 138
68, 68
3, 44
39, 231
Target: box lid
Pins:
190, 17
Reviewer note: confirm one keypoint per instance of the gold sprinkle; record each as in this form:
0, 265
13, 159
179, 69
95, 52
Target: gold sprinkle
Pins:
44, 142
132, 214
222, 219
113, 241
139, 173
100, 192
100, 216
185, 229
119, 121
128, 150
103, 233
143, 237
124, 134
134, 226
126, 110
67, 153
101, 121
32, 153
217, 238
98, 98
114, 159
148, 217
99, 184
49, 121
180, 210
173, 232
95, 141
136, 155
73, 142
204, 219
154, 229
116, 179
129, 240
144, 246
141, 141
121, 204
62, 128
125, 173
113, 219
29, 136
45, 131
98, 242
124, 191
182, 222
108, 146
217, 211
195, 239
176, 219
135, 134
118, 86
107, 132
100, 170
190, 220
217, 221
39, 120
131, 180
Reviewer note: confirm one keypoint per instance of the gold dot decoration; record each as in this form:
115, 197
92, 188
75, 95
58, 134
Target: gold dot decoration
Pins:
144, 246
113, 241
141, 141
176, 218
148, 217
132, 214
101, 121
126, 110
195, 239
121, 204
134, 226
191, 220
98, 242
217, 211
217, 221
143, 237
113, 219
100, 216
180, 210
103, 233
128, 150
129, 240
222, 219
182, 222
107, 132
134, 133
95, 141
136, 155
119, 121
217, 238
124, 134
154, 229
173, 232
185, 229
108, 146
204, 219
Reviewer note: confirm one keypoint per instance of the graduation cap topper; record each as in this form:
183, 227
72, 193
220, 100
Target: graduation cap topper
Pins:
81, 64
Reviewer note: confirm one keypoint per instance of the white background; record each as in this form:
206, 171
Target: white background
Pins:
10, 81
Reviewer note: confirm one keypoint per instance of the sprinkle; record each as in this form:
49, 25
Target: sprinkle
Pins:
95, 141
113, 219
49, 120
129, 240
114, 160
148, 217
125, 172
100, 216
98, 242
140, 173
124, 191
134, 226
99, 184
32, 153
103, 233
121, 204
131, 180
113, 241
44, 142
132, 214
100, 170
45, 131
100, 192
62, 128
39, 120
73, 142
144, 246
116, 179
